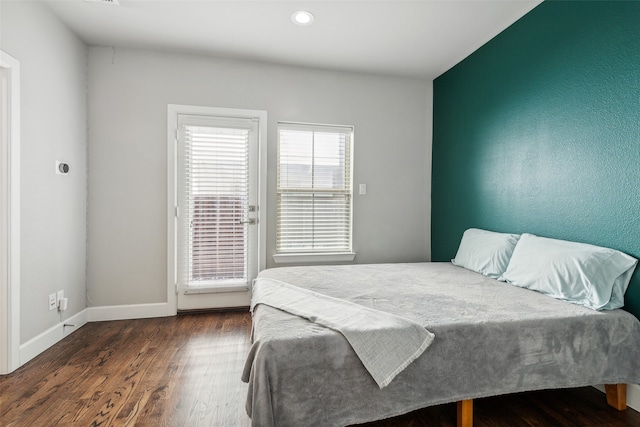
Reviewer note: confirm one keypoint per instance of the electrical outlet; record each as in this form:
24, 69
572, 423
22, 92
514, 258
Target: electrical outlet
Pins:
52, 302
59, 296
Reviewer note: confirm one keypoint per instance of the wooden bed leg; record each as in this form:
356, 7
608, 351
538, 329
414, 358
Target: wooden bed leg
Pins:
617, 396
465, 413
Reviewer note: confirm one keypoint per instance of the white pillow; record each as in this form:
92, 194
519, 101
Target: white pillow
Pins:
579, 273
485, 252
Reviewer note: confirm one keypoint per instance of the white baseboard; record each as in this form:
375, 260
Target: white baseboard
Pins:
633, 395
130, 311
40, 343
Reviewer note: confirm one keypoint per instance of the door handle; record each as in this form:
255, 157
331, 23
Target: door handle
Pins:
250, 221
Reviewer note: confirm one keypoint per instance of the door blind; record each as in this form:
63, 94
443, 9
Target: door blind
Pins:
215, 197
313, 189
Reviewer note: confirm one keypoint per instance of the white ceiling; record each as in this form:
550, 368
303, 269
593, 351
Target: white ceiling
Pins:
419, 38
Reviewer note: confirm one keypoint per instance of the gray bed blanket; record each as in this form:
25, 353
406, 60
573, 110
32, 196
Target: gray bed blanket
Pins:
492, 338
384, 342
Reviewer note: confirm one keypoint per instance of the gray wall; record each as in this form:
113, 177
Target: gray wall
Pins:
128, 93
53, 127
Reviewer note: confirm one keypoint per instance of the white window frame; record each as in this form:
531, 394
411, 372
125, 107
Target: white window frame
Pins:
173, 110
320, 257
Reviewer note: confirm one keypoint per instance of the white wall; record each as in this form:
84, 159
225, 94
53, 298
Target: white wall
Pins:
53, 127
128, 95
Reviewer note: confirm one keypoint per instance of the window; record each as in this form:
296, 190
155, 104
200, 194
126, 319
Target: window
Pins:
314, 193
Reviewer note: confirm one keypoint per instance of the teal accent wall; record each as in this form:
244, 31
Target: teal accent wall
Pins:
539, 131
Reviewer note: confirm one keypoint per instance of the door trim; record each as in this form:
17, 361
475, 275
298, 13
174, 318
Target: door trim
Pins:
10, 282
172, 195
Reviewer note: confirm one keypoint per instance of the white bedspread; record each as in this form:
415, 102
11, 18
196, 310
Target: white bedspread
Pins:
384, 342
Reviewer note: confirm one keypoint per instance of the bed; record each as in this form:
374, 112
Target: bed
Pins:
491, 338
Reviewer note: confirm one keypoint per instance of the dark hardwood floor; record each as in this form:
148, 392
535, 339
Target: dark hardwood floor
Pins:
185, 371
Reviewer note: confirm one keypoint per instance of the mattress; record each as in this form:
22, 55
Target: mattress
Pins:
491, 338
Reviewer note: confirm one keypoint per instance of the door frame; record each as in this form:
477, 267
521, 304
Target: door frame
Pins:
10, 193
173, 110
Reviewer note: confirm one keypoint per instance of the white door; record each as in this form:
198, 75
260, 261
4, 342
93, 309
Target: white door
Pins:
4, 220
217, 225
9, 213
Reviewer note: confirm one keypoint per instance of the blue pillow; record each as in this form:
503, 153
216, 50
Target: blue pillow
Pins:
485, 252
579, 273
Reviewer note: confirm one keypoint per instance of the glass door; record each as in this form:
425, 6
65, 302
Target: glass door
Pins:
217, 204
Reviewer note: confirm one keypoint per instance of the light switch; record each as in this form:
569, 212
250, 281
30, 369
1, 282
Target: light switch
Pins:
363, 189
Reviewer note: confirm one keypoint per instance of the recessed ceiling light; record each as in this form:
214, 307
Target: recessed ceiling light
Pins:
302, 17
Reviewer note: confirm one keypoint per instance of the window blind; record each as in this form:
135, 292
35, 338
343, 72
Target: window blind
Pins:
313, 189
214, 205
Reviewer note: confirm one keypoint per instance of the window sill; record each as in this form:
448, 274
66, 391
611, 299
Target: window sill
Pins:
300, 258
215, 289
